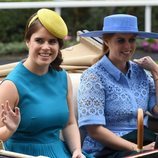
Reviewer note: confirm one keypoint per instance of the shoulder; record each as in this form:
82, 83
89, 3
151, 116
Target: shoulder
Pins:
8, 92
7, 84
62, 72
16, 72
58, 75
92, 74
136, 68
62, 78
138, 71
135, 65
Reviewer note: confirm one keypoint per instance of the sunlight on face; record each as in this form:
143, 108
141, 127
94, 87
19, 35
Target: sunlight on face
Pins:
121, 46
43, 47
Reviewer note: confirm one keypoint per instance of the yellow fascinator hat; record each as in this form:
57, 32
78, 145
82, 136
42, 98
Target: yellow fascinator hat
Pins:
52, 22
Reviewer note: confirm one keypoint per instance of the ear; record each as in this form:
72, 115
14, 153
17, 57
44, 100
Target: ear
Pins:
106, 42
27, 43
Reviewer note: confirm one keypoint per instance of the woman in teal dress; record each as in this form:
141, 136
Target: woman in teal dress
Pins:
42, 91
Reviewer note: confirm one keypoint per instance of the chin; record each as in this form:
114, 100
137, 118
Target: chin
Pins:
44, 63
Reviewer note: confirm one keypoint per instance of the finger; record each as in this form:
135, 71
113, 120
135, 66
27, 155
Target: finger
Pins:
153, 143
3, 119
78, 156
74, 156
145, 59
17, 111
2, 105
138, 61
8, 106
9, 109
3, 114
135, 60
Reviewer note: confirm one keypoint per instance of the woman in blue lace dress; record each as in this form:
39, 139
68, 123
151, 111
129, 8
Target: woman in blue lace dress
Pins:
112, 90
42, 91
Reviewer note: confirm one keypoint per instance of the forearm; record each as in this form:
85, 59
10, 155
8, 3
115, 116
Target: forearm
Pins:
5, 134
109, 139
72, 137
155, 77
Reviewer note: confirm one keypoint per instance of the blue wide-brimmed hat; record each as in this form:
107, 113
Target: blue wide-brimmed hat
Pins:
120, 23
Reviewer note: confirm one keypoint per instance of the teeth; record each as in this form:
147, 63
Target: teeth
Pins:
126, 52
45, 54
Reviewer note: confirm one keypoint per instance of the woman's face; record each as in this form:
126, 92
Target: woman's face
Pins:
121, 47
43, 47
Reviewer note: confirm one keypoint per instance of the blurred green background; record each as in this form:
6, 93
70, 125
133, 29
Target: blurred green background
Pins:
13, 21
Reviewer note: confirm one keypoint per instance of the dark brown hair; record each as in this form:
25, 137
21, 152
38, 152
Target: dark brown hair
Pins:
36, 25
105, 37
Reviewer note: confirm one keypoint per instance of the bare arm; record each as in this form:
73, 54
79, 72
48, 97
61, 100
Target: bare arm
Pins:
109, 139
71, 132
10, 116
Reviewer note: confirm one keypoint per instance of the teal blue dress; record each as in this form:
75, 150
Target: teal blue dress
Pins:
44, 112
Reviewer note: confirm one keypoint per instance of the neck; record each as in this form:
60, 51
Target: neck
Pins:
34, 68
122, 66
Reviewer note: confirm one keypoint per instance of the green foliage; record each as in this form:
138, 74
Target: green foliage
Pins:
150, 40
92, 18
13, 21
154, 19
13, 48
18, 48
69, 43
12, 24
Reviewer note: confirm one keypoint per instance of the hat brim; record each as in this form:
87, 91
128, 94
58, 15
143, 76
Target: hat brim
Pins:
139, 34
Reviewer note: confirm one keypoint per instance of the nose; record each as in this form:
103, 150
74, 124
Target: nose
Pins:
46, 46
127, 44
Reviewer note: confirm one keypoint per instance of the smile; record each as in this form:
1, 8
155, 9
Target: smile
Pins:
45, 54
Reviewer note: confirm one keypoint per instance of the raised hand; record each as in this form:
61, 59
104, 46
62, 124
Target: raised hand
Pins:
10, 118
147, 63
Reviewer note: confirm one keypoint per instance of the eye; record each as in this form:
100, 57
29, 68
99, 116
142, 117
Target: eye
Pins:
121, 40
132, 40
53, 41
39, 40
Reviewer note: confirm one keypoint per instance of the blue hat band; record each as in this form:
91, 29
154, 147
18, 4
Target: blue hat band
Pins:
118, 29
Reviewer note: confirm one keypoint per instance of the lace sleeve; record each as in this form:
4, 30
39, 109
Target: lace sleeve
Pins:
91, 100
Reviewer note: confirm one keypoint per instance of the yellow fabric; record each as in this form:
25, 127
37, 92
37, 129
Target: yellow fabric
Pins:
52, 22
32, 20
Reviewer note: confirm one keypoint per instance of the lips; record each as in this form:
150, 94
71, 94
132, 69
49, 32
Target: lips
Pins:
126, 53
45, 54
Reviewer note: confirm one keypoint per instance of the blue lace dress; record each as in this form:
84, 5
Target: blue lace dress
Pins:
44, 112
110, 98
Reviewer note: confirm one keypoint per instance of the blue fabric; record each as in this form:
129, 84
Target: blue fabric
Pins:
120, 23
110, 98
44, 112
